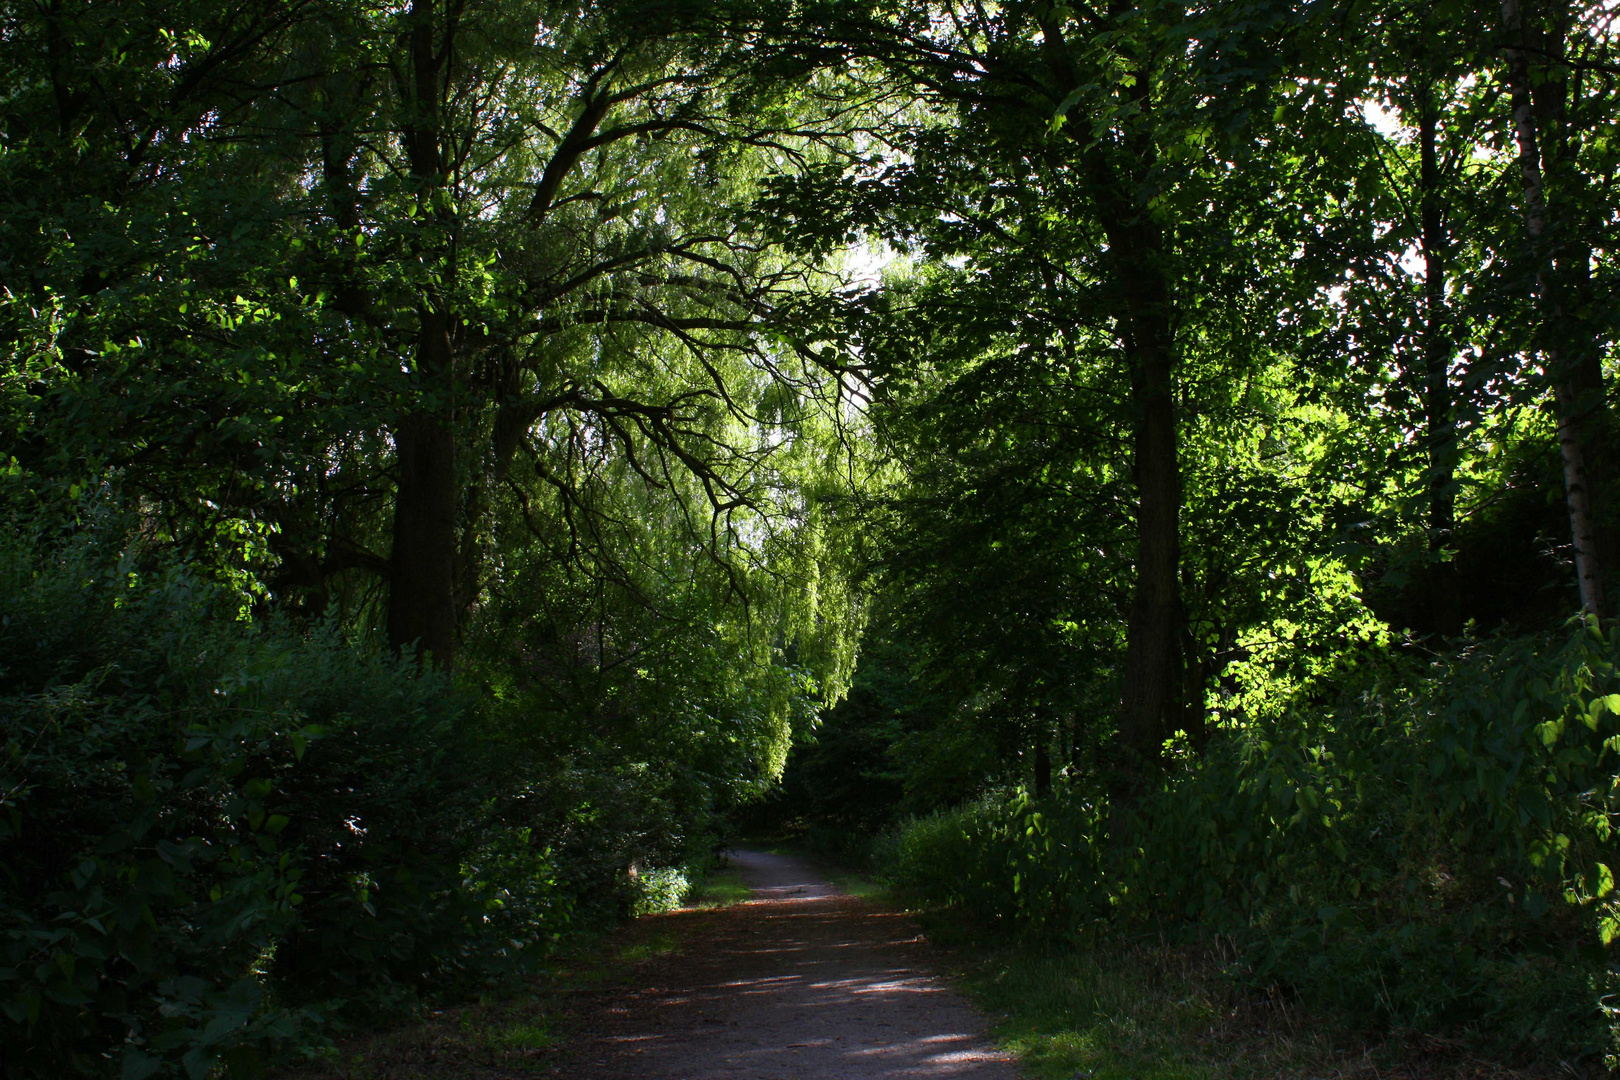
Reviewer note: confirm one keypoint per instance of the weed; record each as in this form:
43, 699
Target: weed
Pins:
657, 944
719, 888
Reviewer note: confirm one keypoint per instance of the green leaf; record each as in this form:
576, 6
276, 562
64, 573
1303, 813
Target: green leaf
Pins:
138, 1065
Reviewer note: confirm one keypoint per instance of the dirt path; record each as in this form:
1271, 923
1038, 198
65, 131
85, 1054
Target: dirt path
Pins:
799, 983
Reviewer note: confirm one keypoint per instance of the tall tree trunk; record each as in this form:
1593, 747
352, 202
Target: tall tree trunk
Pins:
1439, 418
1043, 763
422, 596
1568, 401
422, 592
1150, 697
1151, 692
1556, 91
1593, 420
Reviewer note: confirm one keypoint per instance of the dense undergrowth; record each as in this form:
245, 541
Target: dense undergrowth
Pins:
223, 839
1430, 851
1079, 365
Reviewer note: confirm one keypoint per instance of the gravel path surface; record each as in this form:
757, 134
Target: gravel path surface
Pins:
799, 983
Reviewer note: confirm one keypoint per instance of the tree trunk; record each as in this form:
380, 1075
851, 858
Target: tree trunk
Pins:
1439, 419
422, 571
422, 597
1555, 92
421, 604
1570, 408
1043, 763
1150, 696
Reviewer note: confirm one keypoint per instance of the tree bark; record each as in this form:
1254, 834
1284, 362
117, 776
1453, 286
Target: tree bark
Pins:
1150, 698
1153, 632
1439, 417
422, 595
1555, 92
1570, 408
422, 571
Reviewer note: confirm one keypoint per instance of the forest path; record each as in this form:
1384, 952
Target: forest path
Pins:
801, 982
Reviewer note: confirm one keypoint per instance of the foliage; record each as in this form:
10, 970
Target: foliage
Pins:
226, 236
664, 889
225, 834
1432, 848
219, 833
1229, 360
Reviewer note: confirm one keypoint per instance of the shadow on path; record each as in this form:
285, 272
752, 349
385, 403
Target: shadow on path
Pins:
799, 983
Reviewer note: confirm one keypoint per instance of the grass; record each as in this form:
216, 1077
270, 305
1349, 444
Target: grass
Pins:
519, 1034
675, 888
1131, 1015
1124, 1011
510, 1037
856, 885
511, 1034
1113, 1010
1066, 1013
720, 887
649, 947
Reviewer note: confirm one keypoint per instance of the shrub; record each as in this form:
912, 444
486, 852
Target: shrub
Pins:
661, 889
1433, 849
217, 834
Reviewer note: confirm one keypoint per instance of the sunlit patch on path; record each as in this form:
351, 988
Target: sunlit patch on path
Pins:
798, 983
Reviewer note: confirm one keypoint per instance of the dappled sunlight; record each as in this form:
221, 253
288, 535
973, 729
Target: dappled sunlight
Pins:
799, 981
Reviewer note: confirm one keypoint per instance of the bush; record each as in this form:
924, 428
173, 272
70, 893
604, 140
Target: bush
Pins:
216, 835
1434, 850
662, 889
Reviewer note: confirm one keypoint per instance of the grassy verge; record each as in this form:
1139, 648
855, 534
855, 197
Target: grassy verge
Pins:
510, 1034
1139, 1014
855, 883
1145, 1011
518, 1033
719, 887
1152, 1012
